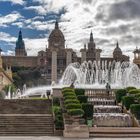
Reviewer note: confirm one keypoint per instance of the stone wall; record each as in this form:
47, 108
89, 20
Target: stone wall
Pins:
21, 61
25, 106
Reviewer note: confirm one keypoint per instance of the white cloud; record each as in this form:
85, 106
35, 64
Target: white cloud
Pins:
10, 18
21, 2
35, 45
7, 37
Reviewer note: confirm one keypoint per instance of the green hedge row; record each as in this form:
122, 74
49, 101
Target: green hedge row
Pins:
127, 101
135, 109
119, 94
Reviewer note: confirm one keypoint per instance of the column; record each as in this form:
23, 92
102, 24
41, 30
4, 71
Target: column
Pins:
83, 56
54, 66
69, 57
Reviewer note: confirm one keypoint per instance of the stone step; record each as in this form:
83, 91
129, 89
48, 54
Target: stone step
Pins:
115, 132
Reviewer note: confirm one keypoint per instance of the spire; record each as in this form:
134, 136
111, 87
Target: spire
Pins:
91, 37
20, 36
56, 25
117, 45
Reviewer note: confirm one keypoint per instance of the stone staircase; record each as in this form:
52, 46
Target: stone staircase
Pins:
114, 132
28, 120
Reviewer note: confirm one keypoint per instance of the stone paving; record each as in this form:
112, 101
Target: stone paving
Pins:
61, 138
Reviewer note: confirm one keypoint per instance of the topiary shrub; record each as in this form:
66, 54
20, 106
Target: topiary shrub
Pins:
73, 106
134, 91
119, 94
88, 111
68, 94
130, 88
79, 92
67, 89
82, 99
135, 109
70, 97
137, 95
75, 112
127, 101
70, 101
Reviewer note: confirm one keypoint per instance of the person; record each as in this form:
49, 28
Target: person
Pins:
108, 88
48, 94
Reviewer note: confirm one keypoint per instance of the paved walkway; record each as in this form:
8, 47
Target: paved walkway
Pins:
61, 138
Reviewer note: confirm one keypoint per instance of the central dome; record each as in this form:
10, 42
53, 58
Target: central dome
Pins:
56, 38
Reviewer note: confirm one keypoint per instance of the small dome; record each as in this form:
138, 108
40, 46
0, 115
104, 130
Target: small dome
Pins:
117, 49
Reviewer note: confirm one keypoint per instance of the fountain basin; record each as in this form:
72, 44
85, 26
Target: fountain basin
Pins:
107, 109
112, 120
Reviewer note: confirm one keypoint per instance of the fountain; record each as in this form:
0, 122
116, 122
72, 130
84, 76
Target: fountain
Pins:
96, 75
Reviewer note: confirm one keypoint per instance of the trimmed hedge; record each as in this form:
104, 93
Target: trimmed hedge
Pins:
70, 97
70, 101
68, 94
79, 92
75, 112
88, 111
130, 88
119, 94
135, 109
134, 91
82, 99
67, 89
73, 106
127, 101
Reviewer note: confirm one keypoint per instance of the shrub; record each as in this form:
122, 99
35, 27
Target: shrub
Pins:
88, 111
79, 92
135, 109
73, 106
127, 101
68, 94
137, 95
75, 112
57, 110
82, 99
119, 94
70, 101
134, 91
67, 89
70, 97
59, 124
130, 88
56, 101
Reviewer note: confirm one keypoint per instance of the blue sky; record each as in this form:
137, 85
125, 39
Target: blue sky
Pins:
109, 21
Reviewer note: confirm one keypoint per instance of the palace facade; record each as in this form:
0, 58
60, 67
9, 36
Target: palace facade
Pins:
57, 57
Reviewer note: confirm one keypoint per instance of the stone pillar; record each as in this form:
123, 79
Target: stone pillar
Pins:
98, 52
54, 66
69, 57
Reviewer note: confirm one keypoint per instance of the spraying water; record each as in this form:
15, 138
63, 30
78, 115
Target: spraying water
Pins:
93, 74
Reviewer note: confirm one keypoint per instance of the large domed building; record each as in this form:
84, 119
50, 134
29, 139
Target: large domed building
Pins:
57, 56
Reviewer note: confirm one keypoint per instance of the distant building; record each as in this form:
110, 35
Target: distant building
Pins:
136, 59
57, 57
5, 75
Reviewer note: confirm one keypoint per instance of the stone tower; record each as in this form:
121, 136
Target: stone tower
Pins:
20, 46
91, 52
136, 59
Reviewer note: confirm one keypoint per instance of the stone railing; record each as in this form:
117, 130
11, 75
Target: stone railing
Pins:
100, 93
91, 93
